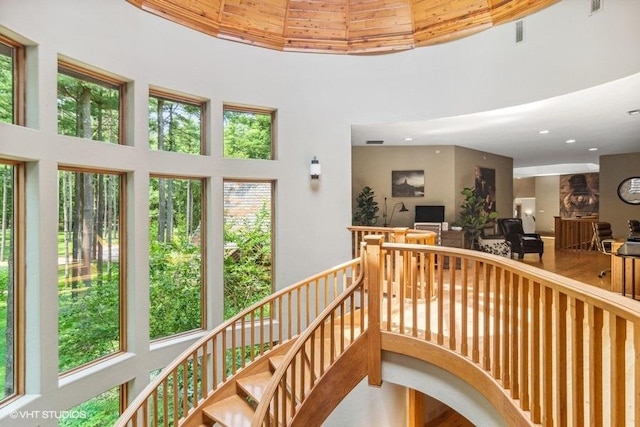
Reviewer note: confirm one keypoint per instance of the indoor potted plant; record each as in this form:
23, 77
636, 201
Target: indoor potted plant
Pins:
473, 217
367, 210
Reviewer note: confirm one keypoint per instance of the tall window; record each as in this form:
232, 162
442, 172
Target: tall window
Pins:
89, 105
11, 95
248, 133
248, 244
175, 124
90, 279
176, 259
11, 261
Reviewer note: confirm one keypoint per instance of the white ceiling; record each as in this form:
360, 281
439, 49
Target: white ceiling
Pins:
595, 118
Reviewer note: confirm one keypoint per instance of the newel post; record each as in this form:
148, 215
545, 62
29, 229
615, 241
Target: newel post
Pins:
400, 234
373, 274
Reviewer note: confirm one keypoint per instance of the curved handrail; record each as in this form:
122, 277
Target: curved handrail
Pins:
204, 366
311, 356
544, 339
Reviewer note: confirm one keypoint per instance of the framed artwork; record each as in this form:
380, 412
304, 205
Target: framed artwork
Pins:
579, 195
407, 183
485, 185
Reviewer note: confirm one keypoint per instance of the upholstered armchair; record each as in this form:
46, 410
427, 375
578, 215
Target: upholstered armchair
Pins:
521, 242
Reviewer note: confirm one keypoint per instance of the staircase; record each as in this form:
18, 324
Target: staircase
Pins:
226, 409
237, 410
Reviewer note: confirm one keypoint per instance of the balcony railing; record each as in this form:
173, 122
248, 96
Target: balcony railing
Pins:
541, 348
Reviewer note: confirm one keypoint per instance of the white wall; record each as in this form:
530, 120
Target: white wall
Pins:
318, 97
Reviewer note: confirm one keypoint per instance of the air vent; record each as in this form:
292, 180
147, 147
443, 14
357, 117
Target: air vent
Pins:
519, 31
375, 142
596, 5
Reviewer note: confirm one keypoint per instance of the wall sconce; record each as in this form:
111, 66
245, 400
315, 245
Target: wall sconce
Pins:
315, 168
403, 208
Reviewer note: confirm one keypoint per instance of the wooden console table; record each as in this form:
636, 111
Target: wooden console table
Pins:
625, 268
452, 238
574, 233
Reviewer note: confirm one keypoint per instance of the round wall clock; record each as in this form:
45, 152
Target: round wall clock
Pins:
629, 190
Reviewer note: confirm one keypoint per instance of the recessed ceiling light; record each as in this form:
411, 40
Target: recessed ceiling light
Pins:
570, 141
634, 112
408, 138
593, 149
542, 132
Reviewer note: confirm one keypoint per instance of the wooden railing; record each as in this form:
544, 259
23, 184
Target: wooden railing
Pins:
325, 341
396, 234
541, 348
217, 357
574, 233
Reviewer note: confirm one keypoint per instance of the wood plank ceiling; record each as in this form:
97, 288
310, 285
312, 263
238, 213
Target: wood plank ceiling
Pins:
341, 26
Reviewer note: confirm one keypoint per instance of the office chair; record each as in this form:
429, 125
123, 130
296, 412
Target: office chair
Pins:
603, 238
634, 230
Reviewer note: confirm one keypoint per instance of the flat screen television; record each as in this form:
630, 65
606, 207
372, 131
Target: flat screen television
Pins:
430, 213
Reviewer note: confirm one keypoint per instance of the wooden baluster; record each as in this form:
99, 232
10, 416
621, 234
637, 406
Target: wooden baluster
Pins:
536, 342
577, 364
452, 305
524, 344
636, 372
401, 266
547, 356
506, 334
515, 337
414, 294
617, 364
595, 366
486, 317
430, 284
495, 323
440, 303
475, 322
561, 360
464, 304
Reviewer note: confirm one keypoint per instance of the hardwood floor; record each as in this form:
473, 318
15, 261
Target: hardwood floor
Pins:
583, 266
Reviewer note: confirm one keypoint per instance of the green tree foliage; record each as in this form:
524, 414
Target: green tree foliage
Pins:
89, 279
6, 85
247, 135
174, 126
7, 282
103, 122
175, 261
102, 410
89, 325
247, 268
176, 287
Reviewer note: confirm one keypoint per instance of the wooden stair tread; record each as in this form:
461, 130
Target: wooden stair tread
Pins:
277, 360
255, 385
233, 411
